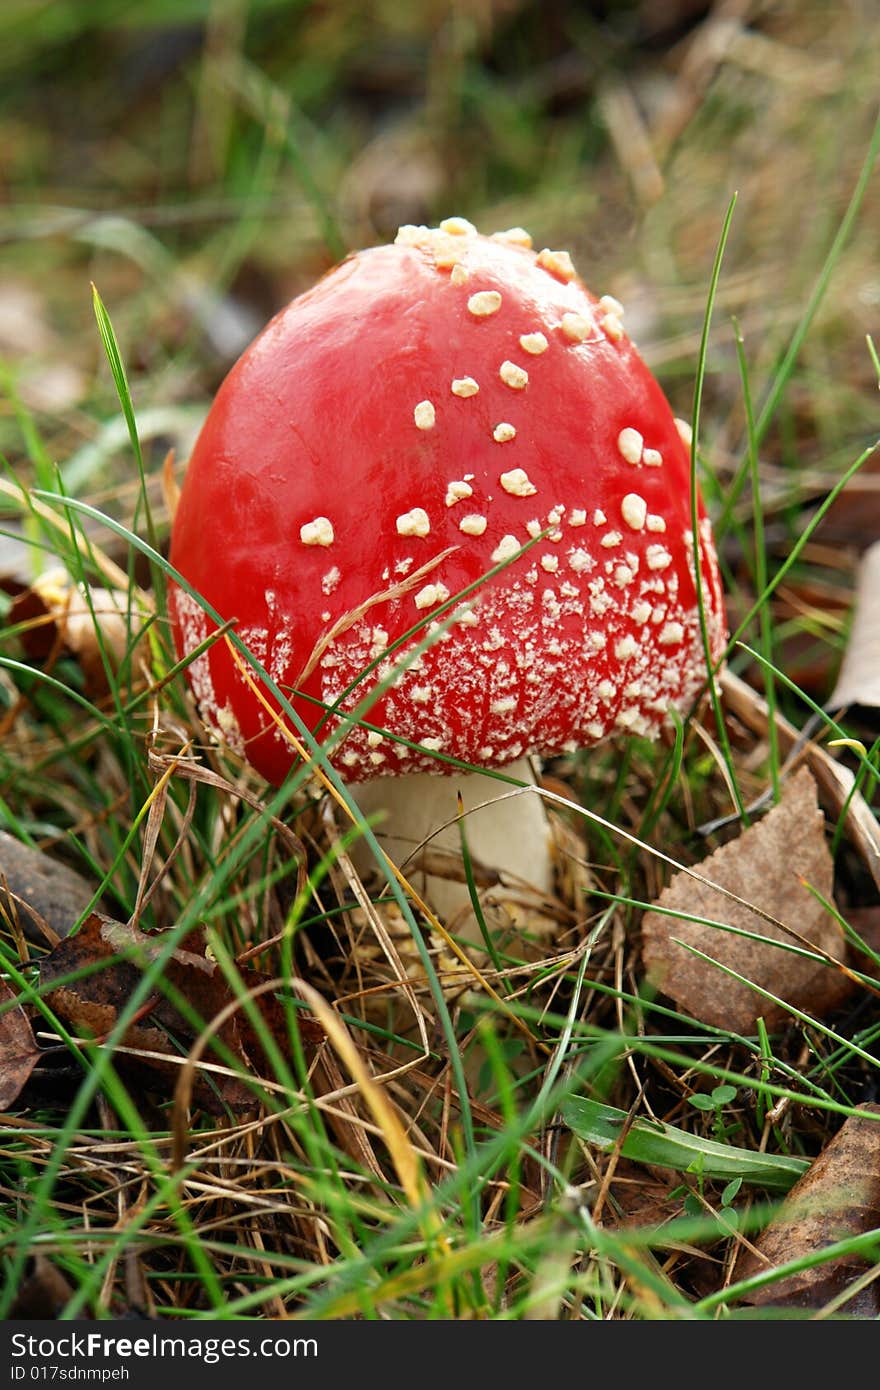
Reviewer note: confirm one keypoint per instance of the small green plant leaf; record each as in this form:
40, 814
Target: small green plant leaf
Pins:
701, 1102
723, 1095
728, 1219
669, 1147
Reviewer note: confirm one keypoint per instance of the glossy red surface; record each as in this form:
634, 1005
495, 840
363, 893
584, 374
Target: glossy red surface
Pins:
318, 420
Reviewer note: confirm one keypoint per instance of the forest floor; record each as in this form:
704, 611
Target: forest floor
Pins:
588, 1121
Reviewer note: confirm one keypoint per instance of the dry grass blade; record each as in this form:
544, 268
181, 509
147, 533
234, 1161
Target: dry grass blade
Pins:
157, 802
435, 924
405, 1161
116, 578
348, 620
380, 930
183, 1089
189, 770
89, 976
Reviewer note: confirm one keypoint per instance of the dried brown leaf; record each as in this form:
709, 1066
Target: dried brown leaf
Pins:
39, 891
838, 1196
641, 1196
865, 922
852, 523
769, 866
838, 791
858, 682
16, 561
93, 625
19, 1052
170, 486
43, 1292
92, 1003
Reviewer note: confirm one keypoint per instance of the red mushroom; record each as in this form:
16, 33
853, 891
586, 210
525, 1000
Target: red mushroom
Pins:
411, 422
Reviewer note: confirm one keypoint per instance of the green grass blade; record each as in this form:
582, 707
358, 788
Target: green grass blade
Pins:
670, 1147
695, 516
123, 391
786, 367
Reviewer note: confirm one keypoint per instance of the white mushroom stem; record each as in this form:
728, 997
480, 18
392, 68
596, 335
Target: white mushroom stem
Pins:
507, 835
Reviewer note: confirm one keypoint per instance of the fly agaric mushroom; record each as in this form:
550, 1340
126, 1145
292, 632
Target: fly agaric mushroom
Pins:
411, 422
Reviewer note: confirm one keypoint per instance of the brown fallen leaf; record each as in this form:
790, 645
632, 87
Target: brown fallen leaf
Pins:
852, 522
858, 682
865, 922
93, 624
793, 613
91, 1004
838, 791
16, 561
642, 1196
43, 1293
765, 866
838, 1196
170, 486
19, 1052
39, 891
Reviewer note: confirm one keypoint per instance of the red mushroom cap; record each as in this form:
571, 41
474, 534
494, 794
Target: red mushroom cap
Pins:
418, 416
